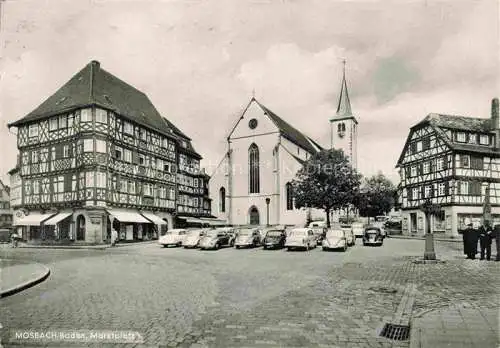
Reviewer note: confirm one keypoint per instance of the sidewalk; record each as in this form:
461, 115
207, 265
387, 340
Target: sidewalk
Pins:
16, 276
82, 246
437, 238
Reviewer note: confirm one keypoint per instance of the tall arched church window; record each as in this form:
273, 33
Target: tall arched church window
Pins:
289, 196
222, 200
253, 169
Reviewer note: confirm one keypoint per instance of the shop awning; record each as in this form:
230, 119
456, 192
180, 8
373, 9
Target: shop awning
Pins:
128, 216
154, 218
214, 222
194, 220
57, 218
33, 219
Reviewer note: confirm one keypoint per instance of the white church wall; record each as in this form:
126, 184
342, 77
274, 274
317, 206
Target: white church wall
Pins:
294, 149
218, 179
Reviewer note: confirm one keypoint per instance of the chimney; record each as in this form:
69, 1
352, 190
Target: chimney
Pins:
495, 121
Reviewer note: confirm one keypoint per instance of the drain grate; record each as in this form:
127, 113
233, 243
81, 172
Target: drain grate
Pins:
396, 332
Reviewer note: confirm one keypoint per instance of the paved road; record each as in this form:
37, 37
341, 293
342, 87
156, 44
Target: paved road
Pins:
230, 298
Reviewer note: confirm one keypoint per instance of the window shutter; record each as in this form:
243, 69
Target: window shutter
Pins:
135, 157
445, 162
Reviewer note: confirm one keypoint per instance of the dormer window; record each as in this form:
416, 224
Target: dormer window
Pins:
461, 137
33, 130
86, 115
484, 139
472, 138
128, 128
184, 144
101, 116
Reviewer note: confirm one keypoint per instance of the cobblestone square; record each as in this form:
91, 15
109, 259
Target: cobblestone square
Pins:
256, 298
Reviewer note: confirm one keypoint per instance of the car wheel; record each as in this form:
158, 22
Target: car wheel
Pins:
164, 245
288, 249
324, 249
237, 247
217, 246
344, 249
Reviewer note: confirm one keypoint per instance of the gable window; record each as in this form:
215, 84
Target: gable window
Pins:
222, 200
289, 196
419, 146
441, 189
464, 161
88, 145
128, 128
484, 139
413, 171
127, 155
413, 148
86, 115
63, 121
118, 153
426, 143
472, 138
426, 167
477, 163
101, 116
461, 137
53, 124
253, 169
100, 145
415, 192
33, 130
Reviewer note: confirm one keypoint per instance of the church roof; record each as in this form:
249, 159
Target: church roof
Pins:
95, 86
290, 132
344, 110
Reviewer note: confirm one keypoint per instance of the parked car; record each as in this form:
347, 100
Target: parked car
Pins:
274, 239
172, 237
193, 238
335, 239
380, 225
394, 223
349, 234
373, 236
357, 229
319, 229
215, 239
247, 237
300, 238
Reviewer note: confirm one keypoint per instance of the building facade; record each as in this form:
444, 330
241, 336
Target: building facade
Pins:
252, 183
96, 156
454, 161
5, 207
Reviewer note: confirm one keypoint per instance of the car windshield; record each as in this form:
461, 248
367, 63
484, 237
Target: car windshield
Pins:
357, 225
173, 232
297, 233
195, 233
334, 233
371, 231
276, 233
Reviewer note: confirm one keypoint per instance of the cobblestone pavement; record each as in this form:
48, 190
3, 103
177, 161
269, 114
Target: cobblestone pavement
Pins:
242, 298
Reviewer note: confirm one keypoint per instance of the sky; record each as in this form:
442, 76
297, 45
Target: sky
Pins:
200, 61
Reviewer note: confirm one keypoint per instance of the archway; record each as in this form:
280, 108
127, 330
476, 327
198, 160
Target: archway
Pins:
254, 215
80, 227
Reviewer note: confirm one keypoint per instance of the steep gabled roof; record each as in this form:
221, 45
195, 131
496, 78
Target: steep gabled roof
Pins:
442, 122
95, 86
289, 132
344, 110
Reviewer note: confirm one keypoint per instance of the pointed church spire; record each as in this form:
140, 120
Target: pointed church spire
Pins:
344, 105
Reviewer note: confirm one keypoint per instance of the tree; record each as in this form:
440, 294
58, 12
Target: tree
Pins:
326, 181
376, 197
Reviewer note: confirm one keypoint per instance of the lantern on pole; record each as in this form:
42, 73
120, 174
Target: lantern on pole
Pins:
430, 209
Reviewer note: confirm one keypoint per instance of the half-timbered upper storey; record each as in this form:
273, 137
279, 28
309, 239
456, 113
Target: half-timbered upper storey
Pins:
98, 140
451, 160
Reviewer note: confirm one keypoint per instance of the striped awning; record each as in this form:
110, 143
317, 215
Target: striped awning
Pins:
33, 219
57, 218
128, 216
153, 218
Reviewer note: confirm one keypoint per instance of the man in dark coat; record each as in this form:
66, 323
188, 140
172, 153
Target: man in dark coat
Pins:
470, 242
485, 237
496, 235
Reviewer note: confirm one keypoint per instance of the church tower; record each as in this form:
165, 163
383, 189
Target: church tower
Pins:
344, 126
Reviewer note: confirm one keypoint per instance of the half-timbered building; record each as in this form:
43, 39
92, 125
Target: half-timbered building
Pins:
96, 155
454, 161
5, 208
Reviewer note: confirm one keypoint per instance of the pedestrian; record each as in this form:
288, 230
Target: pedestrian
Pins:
114, 236
14, 239
485, 237
496, 235
466, 236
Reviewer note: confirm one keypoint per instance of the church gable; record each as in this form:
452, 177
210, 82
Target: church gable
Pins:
253, 122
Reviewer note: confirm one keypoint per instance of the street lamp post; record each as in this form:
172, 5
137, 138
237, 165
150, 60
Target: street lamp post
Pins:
268, 200
430, 210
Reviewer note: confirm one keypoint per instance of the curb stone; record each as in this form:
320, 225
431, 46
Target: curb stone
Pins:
28, 284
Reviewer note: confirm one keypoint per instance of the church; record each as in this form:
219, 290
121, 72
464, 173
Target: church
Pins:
252, 183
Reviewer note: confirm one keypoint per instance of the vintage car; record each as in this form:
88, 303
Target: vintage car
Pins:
357, 229
247, 237
300, 238
193, 237
380, 226
172, 237
319, 230
215, 239
274, 239
373, 236
335, 239
349, 234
